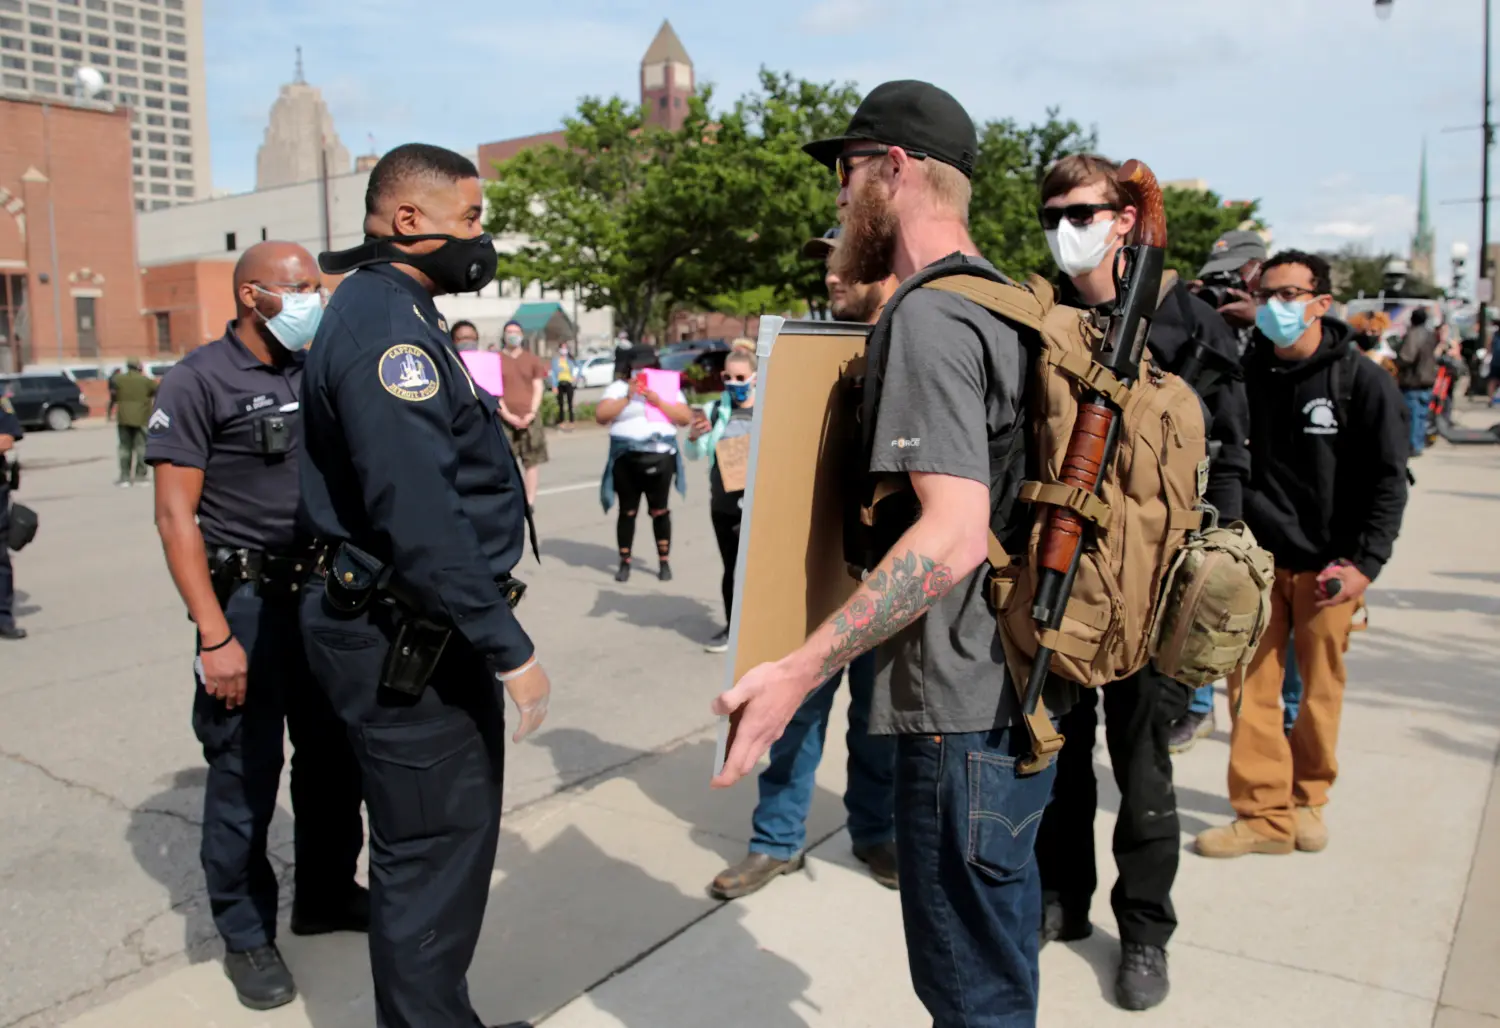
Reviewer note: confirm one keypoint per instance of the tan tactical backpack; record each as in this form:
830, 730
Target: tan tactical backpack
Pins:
1147, 503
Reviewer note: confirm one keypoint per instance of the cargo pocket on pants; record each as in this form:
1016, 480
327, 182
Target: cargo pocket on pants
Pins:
1005, 811
426, 778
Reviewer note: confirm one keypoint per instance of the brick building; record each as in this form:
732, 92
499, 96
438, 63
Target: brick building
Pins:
65, 181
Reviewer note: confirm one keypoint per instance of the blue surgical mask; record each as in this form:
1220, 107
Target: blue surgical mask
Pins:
739, 392
1282, 323
295, 326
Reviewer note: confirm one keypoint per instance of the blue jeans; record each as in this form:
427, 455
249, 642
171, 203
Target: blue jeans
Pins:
1291, 688
786, 786
1291, 692
1416, 402
971, 897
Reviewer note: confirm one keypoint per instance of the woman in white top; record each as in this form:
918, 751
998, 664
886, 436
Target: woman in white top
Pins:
643, 454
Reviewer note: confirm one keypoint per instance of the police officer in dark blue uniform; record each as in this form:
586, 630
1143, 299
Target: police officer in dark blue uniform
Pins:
224, 439
419, 508
10, 431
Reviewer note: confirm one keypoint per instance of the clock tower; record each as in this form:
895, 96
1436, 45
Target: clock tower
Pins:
666, 79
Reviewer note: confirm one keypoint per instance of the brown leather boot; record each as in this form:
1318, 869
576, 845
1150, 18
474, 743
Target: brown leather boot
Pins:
751, 874
1312, 833
1238, 839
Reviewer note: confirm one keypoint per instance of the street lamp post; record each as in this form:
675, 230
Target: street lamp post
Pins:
1484, 282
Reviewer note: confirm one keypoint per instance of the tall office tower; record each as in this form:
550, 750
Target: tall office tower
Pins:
149, 56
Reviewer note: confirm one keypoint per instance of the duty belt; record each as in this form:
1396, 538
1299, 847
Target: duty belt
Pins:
367, 574
283, 571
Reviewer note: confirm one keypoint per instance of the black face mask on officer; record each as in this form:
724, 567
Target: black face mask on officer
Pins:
460, 265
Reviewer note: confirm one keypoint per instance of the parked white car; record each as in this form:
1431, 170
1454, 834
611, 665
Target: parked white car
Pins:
596, 372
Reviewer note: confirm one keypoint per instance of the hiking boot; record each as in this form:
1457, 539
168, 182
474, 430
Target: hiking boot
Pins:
751, 874
623, 575
718, 644
1237, 839
665, 573
1142, 980
1312, 833
352, 916
881, 860
260, 978
1188, 729
1059, 924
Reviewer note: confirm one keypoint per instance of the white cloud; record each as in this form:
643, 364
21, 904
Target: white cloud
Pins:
838, 17
1345, 229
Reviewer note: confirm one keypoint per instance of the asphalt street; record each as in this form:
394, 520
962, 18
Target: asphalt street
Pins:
101, 779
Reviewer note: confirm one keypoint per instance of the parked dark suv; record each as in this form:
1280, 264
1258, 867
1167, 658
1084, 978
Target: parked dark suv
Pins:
44, 401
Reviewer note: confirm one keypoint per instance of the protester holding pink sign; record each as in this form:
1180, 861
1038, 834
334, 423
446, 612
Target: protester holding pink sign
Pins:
643, 408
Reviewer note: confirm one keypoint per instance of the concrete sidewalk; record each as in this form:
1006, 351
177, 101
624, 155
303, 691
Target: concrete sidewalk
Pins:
598, 916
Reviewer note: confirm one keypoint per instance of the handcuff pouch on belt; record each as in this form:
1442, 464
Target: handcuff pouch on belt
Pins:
354, 578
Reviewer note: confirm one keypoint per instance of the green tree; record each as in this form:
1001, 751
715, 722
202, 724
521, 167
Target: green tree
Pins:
1013, 160
641, 219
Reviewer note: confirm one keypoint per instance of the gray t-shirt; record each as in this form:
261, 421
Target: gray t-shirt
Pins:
953, 381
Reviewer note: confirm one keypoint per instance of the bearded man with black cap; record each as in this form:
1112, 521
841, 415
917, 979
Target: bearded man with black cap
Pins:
948, 379
418, 507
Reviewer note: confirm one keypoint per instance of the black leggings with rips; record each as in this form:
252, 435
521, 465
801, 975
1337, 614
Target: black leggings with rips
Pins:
648, 475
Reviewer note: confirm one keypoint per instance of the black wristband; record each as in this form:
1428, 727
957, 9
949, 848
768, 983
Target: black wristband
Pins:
209, 649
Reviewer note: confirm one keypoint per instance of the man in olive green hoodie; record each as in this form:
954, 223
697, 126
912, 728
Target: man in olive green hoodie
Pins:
132, 392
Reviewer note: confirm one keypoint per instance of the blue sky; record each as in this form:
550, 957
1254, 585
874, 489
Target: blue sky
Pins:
1313, 106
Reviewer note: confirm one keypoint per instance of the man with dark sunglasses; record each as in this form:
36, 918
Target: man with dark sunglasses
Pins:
1326, 495
948, 385
1087, 217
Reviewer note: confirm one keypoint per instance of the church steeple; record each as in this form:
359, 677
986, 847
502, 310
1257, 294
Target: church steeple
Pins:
1423, 243
666, 79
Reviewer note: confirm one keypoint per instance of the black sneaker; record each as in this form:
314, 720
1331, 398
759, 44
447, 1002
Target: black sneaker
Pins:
881, 860
260, 977
623, 575
665, 573
1189, 729
1062, 925
352, 916
1142, 982
12, 632
718, 644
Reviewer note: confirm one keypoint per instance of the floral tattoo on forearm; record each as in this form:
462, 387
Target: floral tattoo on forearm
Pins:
884, 605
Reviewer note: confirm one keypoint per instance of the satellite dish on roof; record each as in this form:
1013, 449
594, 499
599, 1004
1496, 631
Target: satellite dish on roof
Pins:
90, 82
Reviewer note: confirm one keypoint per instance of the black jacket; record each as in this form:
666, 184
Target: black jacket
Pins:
1328, 479
1182, 318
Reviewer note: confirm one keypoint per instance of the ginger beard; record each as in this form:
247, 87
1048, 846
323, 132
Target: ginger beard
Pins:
867, 246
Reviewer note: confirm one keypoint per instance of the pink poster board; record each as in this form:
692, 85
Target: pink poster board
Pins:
667, 385
484, 368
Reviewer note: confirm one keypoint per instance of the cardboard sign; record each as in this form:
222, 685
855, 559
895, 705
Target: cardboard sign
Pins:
733, 456
667, 385
790, 575
484, 368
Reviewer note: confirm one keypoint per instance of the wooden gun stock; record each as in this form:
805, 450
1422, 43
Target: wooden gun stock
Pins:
1081, 467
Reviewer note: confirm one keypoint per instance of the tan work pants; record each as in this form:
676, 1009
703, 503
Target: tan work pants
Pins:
1270, 774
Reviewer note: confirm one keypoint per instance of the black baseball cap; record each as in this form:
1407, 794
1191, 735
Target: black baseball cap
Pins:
818, 249
1233, 250
916, 116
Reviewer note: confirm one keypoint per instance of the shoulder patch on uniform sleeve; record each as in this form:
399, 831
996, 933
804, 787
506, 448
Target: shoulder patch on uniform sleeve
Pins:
159, 423
408, 373
5, 405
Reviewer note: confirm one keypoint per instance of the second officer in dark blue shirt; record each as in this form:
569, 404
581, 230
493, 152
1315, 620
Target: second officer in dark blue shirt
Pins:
224, 440
410, 487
